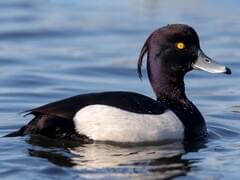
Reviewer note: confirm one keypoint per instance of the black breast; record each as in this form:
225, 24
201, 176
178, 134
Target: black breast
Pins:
190, 116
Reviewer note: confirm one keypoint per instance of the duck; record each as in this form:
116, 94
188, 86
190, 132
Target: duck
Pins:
129, 117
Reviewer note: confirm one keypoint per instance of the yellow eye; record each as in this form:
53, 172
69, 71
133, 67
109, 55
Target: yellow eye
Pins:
180, 45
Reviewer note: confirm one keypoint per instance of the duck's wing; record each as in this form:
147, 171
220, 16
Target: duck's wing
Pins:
56, 119
128, 101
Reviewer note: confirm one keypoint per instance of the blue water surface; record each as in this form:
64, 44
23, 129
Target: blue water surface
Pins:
53, 49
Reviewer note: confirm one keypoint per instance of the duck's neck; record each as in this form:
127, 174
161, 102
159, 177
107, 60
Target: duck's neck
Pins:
170, 90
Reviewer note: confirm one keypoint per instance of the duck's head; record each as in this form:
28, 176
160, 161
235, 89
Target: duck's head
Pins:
174, 50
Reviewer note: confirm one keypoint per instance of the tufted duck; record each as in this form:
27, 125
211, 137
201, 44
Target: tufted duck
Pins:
172, 51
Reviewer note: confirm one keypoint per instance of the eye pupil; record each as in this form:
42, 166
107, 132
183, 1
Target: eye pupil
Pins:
207, 60
180, 45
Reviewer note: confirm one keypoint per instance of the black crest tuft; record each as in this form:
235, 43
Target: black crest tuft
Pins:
144, 50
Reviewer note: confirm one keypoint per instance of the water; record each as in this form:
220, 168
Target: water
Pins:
52, 49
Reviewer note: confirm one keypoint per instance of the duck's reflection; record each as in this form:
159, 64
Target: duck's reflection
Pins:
163, 161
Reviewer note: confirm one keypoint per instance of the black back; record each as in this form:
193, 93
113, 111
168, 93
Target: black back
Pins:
128, 101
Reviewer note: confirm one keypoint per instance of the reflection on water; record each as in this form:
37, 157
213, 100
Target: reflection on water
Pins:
161, 161
52, 49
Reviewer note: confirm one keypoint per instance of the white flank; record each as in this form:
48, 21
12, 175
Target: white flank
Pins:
107, 123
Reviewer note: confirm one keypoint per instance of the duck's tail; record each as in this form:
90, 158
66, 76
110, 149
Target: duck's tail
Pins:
19, 132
